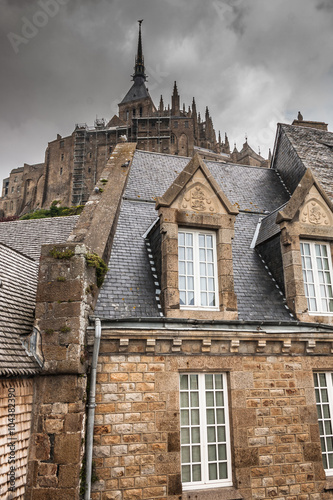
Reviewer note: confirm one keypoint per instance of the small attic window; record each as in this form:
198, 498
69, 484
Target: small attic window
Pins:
197, 270
318, 276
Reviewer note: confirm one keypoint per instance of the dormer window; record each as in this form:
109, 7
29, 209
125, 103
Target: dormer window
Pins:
197, 228
197, 271
317, 276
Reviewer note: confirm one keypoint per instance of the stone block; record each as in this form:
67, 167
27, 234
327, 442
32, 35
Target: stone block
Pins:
67, 448
68, 476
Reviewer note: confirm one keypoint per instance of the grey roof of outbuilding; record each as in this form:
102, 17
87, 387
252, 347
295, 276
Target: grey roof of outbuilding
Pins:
129, 288
315, 149
27, 236
20, 243
18, 276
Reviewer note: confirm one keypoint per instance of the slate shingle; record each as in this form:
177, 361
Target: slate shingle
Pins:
128, 289
18, 275
27, 236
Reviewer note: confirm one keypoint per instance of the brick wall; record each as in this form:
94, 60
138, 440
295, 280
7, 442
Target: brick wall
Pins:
274, 427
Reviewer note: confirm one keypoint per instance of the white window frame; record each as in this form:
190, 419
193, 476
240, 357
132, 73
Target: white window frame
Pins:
196, 263
204, 463
323, 382
316, 282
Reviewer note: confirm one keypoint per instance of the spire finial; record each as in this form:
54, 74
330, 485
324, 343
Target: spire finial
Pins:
139, 68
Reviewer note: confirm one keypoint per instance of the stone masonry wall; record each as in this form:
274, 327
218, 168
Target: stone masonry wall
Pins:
273, 419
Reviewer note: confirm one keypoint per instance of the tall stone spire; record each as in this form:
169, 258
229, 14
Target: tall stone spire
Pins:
175, 100
139, 68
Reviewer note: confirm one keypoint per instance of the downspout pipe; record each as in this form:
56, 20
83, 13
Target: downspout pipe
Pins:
91, 408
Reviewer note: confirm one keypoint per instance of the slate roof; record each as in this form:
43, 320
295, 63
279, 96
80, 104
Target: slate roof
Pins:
315, 149
268, 227
128, 289
27, 236
258, 296
137, 91
251, 188
18, 276
20, 243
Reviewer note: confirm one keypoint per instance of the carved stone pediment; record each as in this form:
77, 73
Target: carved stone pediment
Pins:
199, 199
314, 213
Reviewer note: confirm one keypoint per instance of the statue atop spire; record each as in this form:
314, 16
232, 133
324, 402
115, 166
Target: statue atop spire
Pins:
139, 68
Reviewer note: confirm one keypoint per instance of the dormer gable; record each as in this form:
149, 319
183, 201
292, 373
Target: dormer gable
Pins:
195, 189
306, 224
309, 204
197, 227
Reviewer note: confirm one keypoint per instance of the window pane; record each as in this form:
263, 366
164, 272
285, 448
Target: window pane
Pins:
210, 269
196, 454
185, 454
195, 434
209, 399
194, 399
209, 381
209, 241
220, 416
190, 283
203, 299
212, 472
181, 239
223, 472
221, 433
189, 239
186, 473
194, 382
222, 452
196, 473
185, 436
210, 417
183, 399
190, 270
184, 381
195, 417
219, 398
184, 417
211, 437
212, 453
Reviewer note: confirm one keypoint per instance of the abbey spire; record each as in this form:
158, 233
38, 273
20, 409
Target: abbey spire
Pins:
139, 68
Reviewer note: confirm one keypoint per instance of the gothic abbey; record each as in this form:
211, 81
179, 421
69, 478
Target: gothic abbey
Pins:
73, 164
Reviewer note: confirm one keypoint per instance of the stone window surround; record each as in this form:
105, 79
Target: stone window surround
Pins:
293, 272
223, 225
295, 226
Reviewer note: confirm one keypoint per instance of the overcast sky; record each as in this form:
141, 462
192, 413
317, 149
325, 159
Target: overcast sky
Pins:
252, 62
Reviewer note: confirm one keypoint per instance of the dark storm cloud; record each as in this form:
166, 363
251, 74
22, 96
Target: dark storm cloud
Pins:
252, 62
